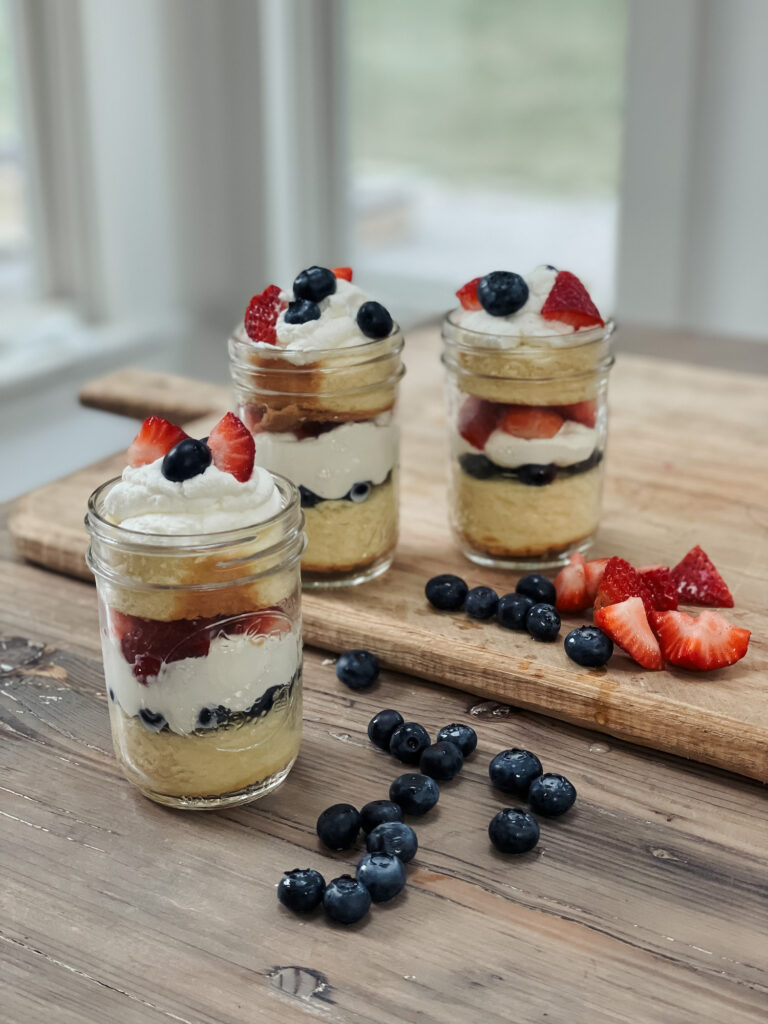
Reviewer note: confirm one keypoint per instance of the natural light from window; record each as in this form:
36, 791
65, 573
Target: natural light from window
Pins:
14, 235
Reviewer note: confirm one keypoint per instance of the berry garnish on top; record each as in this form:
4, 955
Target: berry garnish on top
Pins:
300, 311
699, 582
186, 459
502, 293
530, 421
314, 284
374, 320
345, 273
627, 625
261, 315
467, 294
154, 440
703, 642
569, 303
232, 447
478, 420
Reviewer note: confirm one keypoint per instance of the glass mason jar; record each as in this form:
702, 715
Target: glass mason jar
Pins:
527, 430
201, 637
330, 425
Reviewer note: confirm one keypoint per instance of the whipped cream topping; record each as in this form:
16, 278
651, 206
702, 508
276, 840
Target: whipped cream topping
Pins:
331, 463
213, 501
574, 442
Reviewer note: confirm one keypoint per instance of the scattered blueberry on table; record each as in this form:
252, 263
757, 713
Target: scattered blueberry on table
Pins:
378, 812
393, 837
464, 737
338, 826
442, 761
301, 890
408, 742
513, 830
512, 611
357, 669
381, 727
481, 603
543, 622
447, 593
346, 900
513, 771
416, 794
538, 588
588, 646
383, 875
551, 795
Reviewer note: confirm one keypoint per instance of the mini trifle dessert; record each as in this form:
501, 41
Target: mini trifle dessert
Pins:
196, 554
315, 372
527, 363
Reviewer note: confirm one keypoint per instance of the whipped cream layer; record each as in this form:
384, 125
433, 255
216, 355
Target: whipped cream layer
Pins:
211, 502
330, 464
235, 673
573, 443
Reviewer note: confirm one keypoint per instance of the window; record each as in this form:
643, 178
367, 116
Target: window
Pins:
14, 226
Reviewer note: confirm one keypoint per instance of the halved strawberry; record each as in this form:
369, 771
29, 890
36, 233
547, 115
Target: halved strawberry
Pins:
700, 643
155, 439
530, 421
627, 625
593, 573
619, 582
660, 585
569, 302
232, 447
571, 586
261, 315
699, 582
478, 420
345, 273
581, 412
467, 294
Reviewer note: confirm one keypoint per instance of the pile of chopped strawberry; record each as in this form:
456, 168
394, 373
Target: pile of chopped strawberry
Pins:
619, 582
262, 313
530, 421
345, 273
467, 294
698, 582
232, 447
626, 623
661, 586
155, 439
478, 420
701, 643
577, 583
569, 303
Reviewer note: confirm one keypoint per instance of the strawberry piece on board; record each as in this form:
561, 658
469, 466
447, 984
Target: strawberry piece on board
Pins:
661, 586
619, 582
627, 625
699, 582
571, 586
700, 643
593, 573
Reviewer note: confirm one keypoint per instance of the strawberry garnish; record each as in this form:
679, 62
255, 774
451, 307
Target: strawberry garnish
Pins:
661, 586
700, 643
569, 302
627, 625
581, 412
343, 272
571, 586
593, 573
467, 294
155, 439
619, 582
530, 421
698, 581
477, 420
261, 315
232, 447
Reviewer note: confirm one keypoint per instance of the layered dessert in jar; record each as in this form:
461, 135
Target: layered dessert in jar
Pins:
196, 554
527, 362
315, 371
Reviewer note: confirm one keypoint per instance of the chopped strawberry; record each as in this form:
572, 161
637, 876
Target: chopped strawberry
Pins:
660, 585
155, 439
581, 412
530, 421
593, 574
619, 582
627, 625
232, 447
149, 643
467, 294
478, 420
261, 315
345, 273
571, 586
699, 582
700, 643
569, 303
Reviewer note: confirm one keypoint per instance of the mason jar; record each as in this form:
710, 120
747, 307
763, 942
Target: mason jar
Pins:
201, 638
527, 428
327, 419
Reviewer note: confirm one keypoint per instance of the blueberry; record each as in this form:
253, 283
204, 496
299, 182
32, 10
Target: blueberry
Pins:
153, 720
538, 588
514, 830
513, 771
374, 320
186, 459
393, 837
301, 310
463, 736
513, 610
357, 669
314, 284
481, 603
382, 874
408, 741
415, 793
533, 475
338, 826
446, 592
478, 466
551, 795
346, 900
588, 646
381, 727
502, 293
379, 811
442, 760
543, 622
212, 716
308, 498
360, 492
301, 890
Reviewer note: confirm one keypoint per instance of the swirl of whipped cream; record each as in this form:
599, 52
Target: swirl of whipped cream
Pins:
211, 502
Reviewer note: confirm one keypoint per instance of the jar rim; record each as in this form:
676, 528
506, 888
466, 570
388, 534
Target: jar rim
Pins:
541, 342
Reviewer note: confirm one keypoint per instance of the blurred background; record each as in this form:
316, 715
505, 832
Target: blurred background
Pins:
162, 160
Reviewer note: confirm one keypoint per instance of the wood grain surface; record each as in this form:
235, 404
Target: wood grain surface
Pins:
686, 449
644, 905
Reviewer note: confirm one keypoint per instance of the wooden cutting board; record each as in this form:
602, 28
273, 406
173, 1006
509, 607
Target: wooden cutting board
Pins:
686, 464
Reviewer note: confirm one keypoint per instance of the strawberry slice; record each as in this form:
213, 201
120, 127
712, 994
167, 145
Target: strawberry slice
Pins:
232, 447
571, 586
627, 625
530, 421
261, 315
345, 273
467, 294
477, 420
699, 582
155, 439
581, 412
699, 643
593, 573
660, 585
569, 302
619, 582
